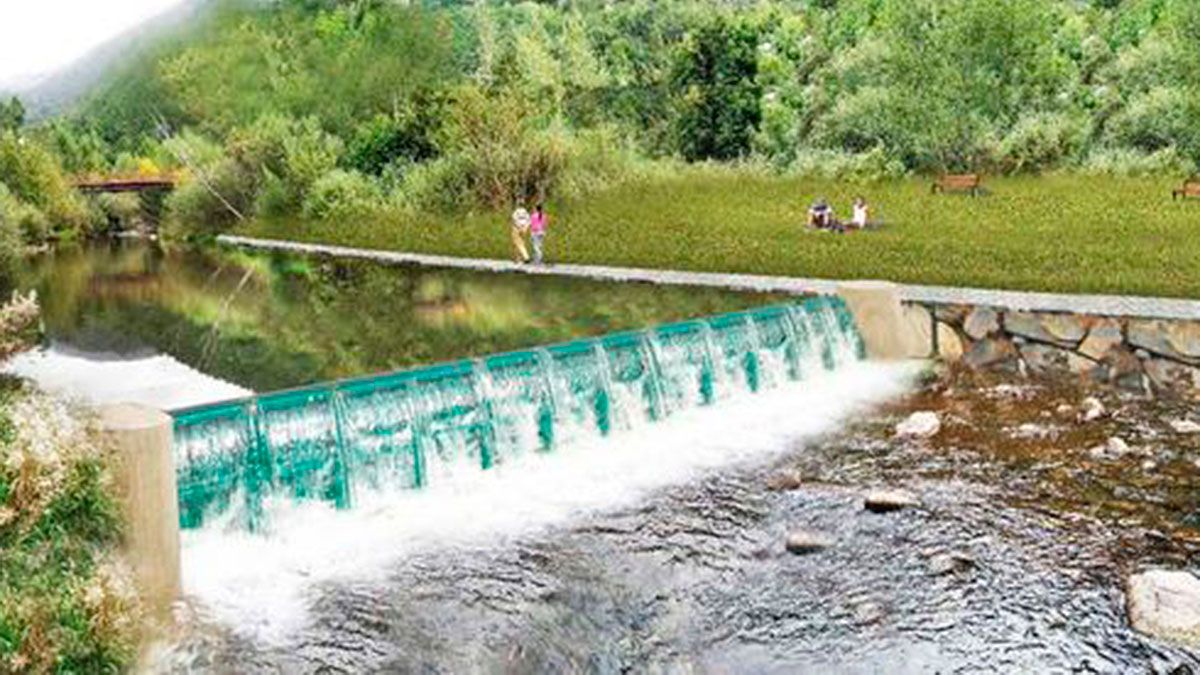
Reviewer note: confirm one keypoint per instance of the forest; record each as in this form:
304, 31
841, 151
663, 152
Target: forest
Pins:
326, 109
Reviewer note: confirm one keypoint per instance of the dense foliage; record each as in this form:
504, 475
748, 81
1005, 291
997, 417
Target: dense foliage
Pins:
66, 602
328, 107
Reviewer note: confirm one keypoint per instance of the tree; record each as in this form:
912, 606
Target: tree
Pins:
12, 115
717, 91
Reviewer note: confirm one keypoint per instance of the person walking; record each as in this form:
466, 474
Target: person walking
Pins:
537, 232
520, 225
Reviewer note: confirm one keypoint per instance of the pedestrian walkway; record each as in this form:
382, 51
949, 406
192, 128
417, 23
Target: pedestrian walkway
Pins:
1107, 305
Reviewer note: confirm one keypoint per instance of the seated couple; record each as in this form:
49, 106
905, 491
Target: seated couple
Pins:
820, 216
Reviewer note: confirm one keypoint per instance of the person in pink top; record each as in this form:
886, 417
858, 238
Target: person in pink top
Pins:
537, 231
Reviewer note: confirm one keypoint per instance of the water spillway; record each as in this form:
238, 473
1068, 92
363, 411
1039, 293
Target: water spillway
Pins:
403, 430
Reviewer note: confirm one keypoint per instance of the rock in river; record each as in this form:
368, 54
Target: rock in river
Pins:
1166, 605
807, 541
919, 425
883, 501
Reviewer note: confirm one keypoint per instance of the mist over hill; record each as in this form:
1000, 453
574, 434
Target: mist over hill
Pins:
51, 93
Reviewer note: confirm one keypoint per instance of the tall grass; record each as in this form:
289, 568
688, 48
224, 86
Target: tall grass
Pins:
1063, 233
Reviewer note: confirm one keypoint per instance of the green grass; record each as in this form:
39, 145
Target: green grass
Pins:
1062, 233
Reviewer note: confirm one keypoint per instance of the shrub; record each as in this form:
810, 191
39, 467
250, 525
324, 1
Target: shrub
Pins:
1126, 162
1161, 118
442, 184
873, 165
340, 194
1042, 140
34, 178
66, 602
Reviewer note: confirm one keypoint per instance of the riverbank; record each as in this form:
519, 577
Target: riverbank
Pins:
1060, 233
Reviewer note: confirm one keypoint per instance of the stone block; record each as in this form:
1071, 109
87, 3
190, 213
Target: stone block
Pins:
981, 322
950, 345
1061, 329
1167, 375
1044, 359
1184, 338
991, 353
952, 314
1104, 336
1173, 339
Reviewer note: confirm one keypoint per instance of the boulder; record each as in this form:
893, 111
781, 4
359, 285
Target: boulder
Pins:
807, 541
1165, 604
1043, 359
784, 481
1173, 376
952, 563
1091, 409
1184, 338
1061, 329
919, 324
1104, 336
1184, 427
952, 314
981, 322
991, 353
1174, 339
884, 501
950, 345
1114, 448
922, 424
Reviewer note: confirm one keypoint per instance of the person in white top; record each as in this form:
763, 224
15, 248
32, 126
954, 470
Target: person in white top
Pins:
520, 225
861, 215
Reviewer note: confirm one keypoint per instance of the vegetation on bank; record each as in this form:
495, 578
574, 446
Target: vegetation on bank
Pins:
1064, 233
66, 602
344, 109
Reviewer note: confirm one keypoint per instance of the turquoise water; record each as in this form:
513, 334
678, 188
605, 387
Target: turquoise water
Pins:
403, 430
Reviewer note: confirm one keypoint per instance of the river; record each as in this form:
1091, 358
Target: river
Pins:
659, 550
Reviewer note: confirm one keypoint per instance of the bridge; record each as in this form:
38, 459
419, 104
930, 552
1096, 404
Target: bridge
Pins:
125, 183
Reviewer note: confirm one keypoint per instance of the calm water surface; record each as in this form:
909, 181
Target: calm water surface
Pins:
269, 321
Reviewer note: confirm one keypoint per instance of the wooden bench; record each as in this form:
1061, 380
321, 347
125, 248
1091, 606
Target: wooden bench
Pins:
958, 182
1190, 188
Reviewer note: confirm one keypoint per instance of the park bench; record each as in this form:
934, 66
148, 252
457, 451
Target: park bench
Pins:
1190, 188
958, 182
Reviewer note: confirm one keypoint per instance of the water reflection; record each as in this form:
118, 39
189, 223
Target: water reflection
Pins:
268, 321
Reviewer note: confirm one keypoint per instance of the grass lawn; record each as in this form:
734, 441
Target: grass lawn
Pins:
1051, 233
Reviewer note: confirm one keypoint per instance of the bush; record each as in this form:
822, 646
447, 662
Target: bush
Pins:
1042, 140
871, 166
340, 194
66, 601
35, 179
11, 244
1161, 118
1126, 162
442, 185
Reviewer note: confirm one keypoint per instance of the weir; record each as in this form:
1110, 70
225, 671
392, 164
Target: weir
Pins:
403, 430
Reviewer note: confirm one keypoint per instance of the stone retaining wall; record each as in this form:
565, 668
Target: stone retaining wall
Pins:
1149, 356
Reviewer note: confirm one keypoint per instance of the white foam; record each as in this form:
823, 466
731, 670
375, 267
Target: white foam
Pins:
256, 585
158, 381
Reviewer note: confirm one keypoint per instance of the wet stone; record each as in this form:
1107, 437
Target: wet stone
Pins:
952, 563
784, 481
802, 542
885, 501
1166, 605
922, 424
991, 352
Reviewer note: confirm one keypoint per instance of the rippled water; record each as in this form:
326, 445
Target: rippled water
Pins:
694, 578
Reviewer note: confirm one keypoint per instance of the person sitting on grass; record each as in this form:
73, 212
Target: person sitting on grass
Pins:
861, 213
820, 214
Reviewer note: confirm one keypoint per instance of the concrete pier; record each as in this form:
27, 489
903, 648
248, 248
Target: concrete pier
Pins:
886, 331
149, 498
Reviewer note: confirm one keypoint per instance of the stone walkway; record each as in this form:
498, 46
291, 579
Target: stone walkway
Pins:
1108, 305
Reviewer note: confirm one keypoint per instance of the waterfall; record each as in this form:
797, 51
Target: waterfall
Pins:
404, 430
